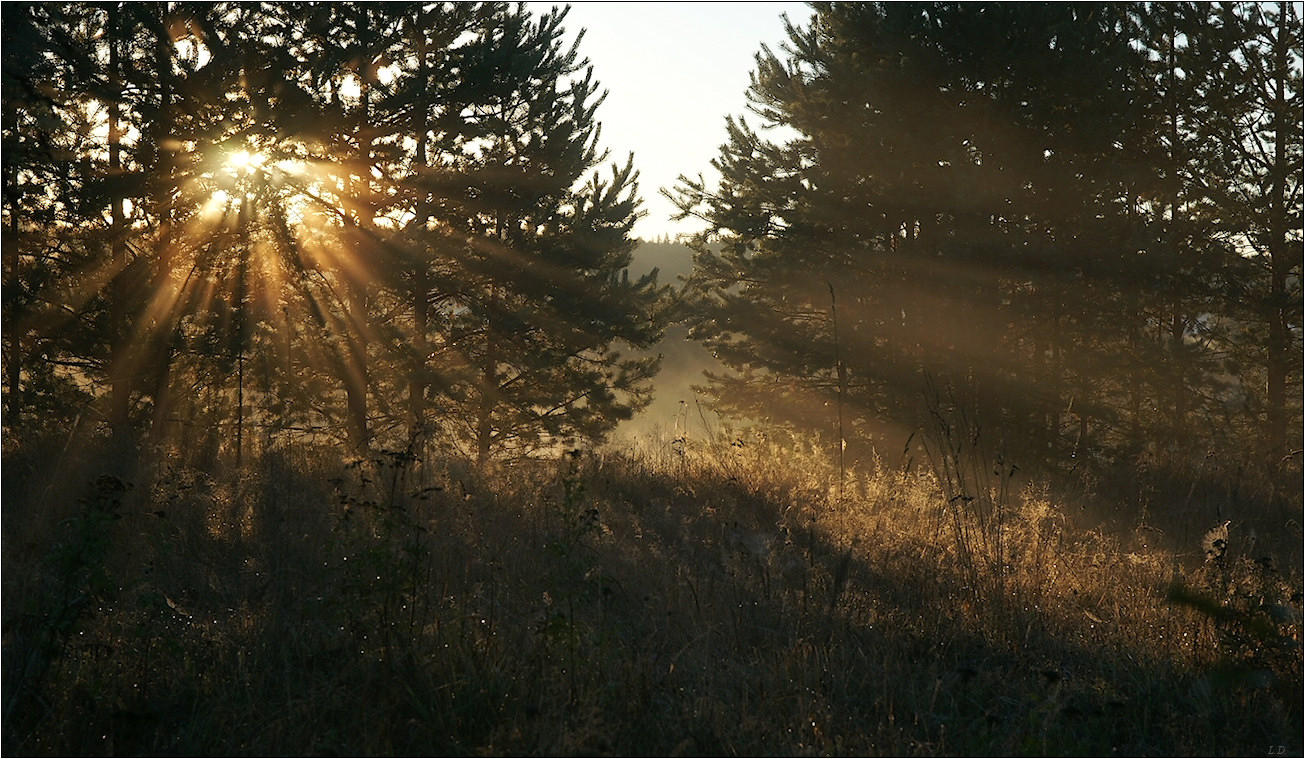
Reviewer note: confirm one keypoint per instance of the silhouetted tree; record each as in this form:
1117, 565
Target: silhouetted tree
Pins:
536, 299
282, 214
953, 185
1084, 219
1260, 141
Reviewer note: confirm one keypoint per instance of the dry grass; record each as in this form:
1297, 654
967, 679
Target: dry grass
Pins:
689, 598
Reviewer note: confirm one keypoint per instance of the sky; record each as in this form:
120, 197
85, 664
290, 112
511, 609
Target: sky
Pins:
673, 72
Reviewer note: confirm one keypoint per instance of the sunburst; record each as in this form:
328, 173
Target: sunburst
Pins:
245, 162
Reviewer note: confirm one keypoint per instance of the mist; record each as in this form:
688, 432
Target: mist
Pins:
676, 408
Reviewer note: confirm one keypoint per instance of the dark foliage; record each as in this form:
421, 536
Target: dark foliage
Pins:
1047, 207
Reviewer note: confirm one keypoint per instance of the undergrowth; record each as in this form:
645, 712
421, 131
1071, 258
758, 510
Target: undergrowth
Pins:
735, 596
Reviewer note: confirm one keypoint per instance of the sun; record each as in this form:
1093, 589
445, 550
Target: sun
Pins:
245, 162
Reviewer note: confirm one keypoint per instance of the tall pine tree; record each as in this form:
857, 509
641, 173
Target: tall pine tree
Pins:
944, 214
538, 301
291, 217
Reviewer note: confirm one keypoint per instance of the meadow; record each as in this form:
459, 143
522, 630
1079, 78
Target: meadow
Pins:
731, 594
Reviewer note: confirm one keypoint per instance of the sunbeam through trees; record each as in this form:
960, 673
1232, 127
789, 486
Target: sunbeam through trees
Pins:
378, 221
345, 414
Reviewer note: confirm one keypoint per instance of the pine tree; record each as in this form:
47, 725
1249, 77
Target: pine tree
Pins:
948, 201
39, 141
435, 39
1260, 142
290, 216
536, 300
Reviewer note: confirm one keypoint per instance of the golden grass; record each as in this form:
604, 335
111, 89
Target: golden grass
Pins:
714, 597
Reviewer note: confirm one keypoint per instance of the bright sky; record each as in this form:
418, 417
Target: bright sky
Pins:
673, 72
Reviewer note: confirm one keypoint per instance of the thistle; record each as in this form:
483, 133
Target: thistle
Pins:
1215, 542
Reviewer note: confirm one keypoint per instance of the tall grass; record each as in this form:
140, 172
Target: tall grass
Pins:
710, 596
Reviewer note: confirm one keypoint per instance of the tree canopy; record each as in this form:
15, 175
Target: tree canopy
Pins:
378, 222
1084, 220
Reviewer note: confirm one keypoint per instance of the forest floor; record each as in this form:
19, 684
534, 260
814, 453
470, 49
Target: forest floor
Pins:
736, 596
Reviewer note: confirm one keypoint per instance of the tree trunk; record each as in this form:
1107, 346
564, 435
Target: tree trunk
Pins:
163, 128
1280, 248
357, 382
13, 358
120, 384
1178, 390
488, 399
420, 279
417, 380
14, 377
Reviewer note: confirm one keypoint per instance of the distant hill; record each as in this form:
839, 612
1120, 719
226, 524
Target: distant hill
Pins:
683, 360
673, 259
